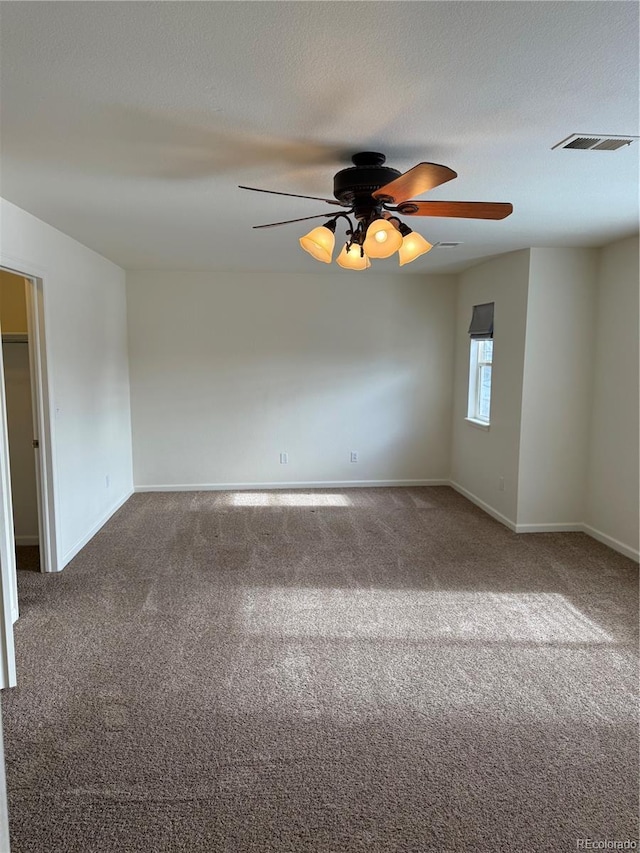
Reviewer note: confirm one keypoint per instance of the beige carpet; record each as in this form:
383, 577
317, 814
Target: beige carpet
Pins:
327, 671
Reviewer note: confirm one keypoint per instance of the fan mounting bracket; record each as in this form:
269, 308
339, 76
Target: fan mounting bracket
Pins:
368, 158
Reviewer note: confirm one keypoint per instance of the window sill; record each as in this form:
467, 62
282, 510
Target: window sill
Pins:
478, 424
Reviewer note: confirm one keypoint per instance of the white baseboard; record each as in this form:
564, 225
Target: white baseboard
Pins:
632, 553
560, 527
71, 553
315, 484
28, 540
581, 527
484, 506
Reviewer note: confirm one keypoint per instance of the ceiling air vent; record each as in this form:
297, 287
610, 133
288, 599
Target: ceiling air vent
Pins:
593, 142
447, 245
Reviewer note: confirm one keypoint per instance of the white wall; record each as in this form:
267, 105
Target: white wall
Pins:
481, 457
564, 413
612, 510
228, 370
557, 380
85, 320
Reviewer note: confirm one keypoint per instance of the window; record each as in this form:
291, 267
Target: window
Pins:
480, 380
480, 362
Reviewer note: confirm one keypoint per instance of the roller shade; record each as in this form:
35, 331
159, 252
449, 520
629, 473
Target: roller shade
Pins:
481, 327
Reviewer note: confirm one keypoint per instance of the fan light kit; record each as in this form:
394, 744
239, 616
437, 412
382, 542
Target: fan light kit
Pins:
374, 193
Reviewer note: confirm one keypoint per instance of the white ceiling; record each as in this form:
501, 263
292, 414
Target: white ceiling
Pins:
129, 125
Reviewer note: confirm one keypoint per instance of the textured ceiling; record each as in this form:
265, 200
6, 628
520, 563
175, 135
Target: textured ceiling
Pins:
129, 125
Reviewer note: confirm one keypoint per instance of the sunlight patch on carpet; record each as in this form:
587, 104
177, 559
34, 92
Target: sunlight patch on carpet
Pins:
533, 617
289, 499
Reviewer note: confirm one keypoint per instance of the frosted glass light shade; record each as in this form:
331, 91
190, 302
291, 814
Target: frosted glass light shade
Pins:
413, 245
382, 239
319, 243
352, 260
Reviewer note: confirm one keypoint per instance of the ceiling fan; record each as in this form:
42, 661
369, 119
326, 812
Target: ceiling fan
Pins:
374, 193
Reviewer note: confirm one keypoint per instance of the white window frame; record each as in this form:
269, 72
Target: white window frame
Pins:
474, 415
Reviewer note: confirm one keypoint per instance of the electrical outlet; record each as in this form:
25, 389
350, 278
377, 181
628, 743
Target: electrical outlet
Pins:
501, 484
354, 455
284, 458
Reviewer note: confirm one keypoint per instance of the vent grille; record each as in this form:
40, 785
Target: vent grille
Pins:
611, 144
593, 142
447, 245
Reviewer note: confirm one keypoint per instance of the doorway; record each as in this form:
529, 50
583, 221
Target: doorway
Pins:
25, 469
19, 407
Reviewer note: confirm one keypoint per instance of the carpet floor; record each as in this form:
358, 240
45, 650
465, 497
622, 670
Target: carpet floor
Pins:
329, 671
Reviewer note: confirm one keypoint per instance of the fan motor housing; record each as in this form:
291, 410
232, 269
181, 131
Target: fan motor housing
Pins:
354, 186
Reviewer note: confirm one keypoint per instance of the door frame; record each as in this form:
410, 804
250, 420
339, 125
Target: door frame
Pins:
42, 424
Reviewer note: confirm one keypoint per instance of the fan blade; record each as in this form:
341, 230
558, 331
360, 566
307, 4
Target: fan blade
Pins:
288, 221
293, 195
423, 177
459, 209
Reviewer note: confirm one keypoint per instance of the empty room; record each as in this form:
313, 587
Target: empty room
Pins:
319, 434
